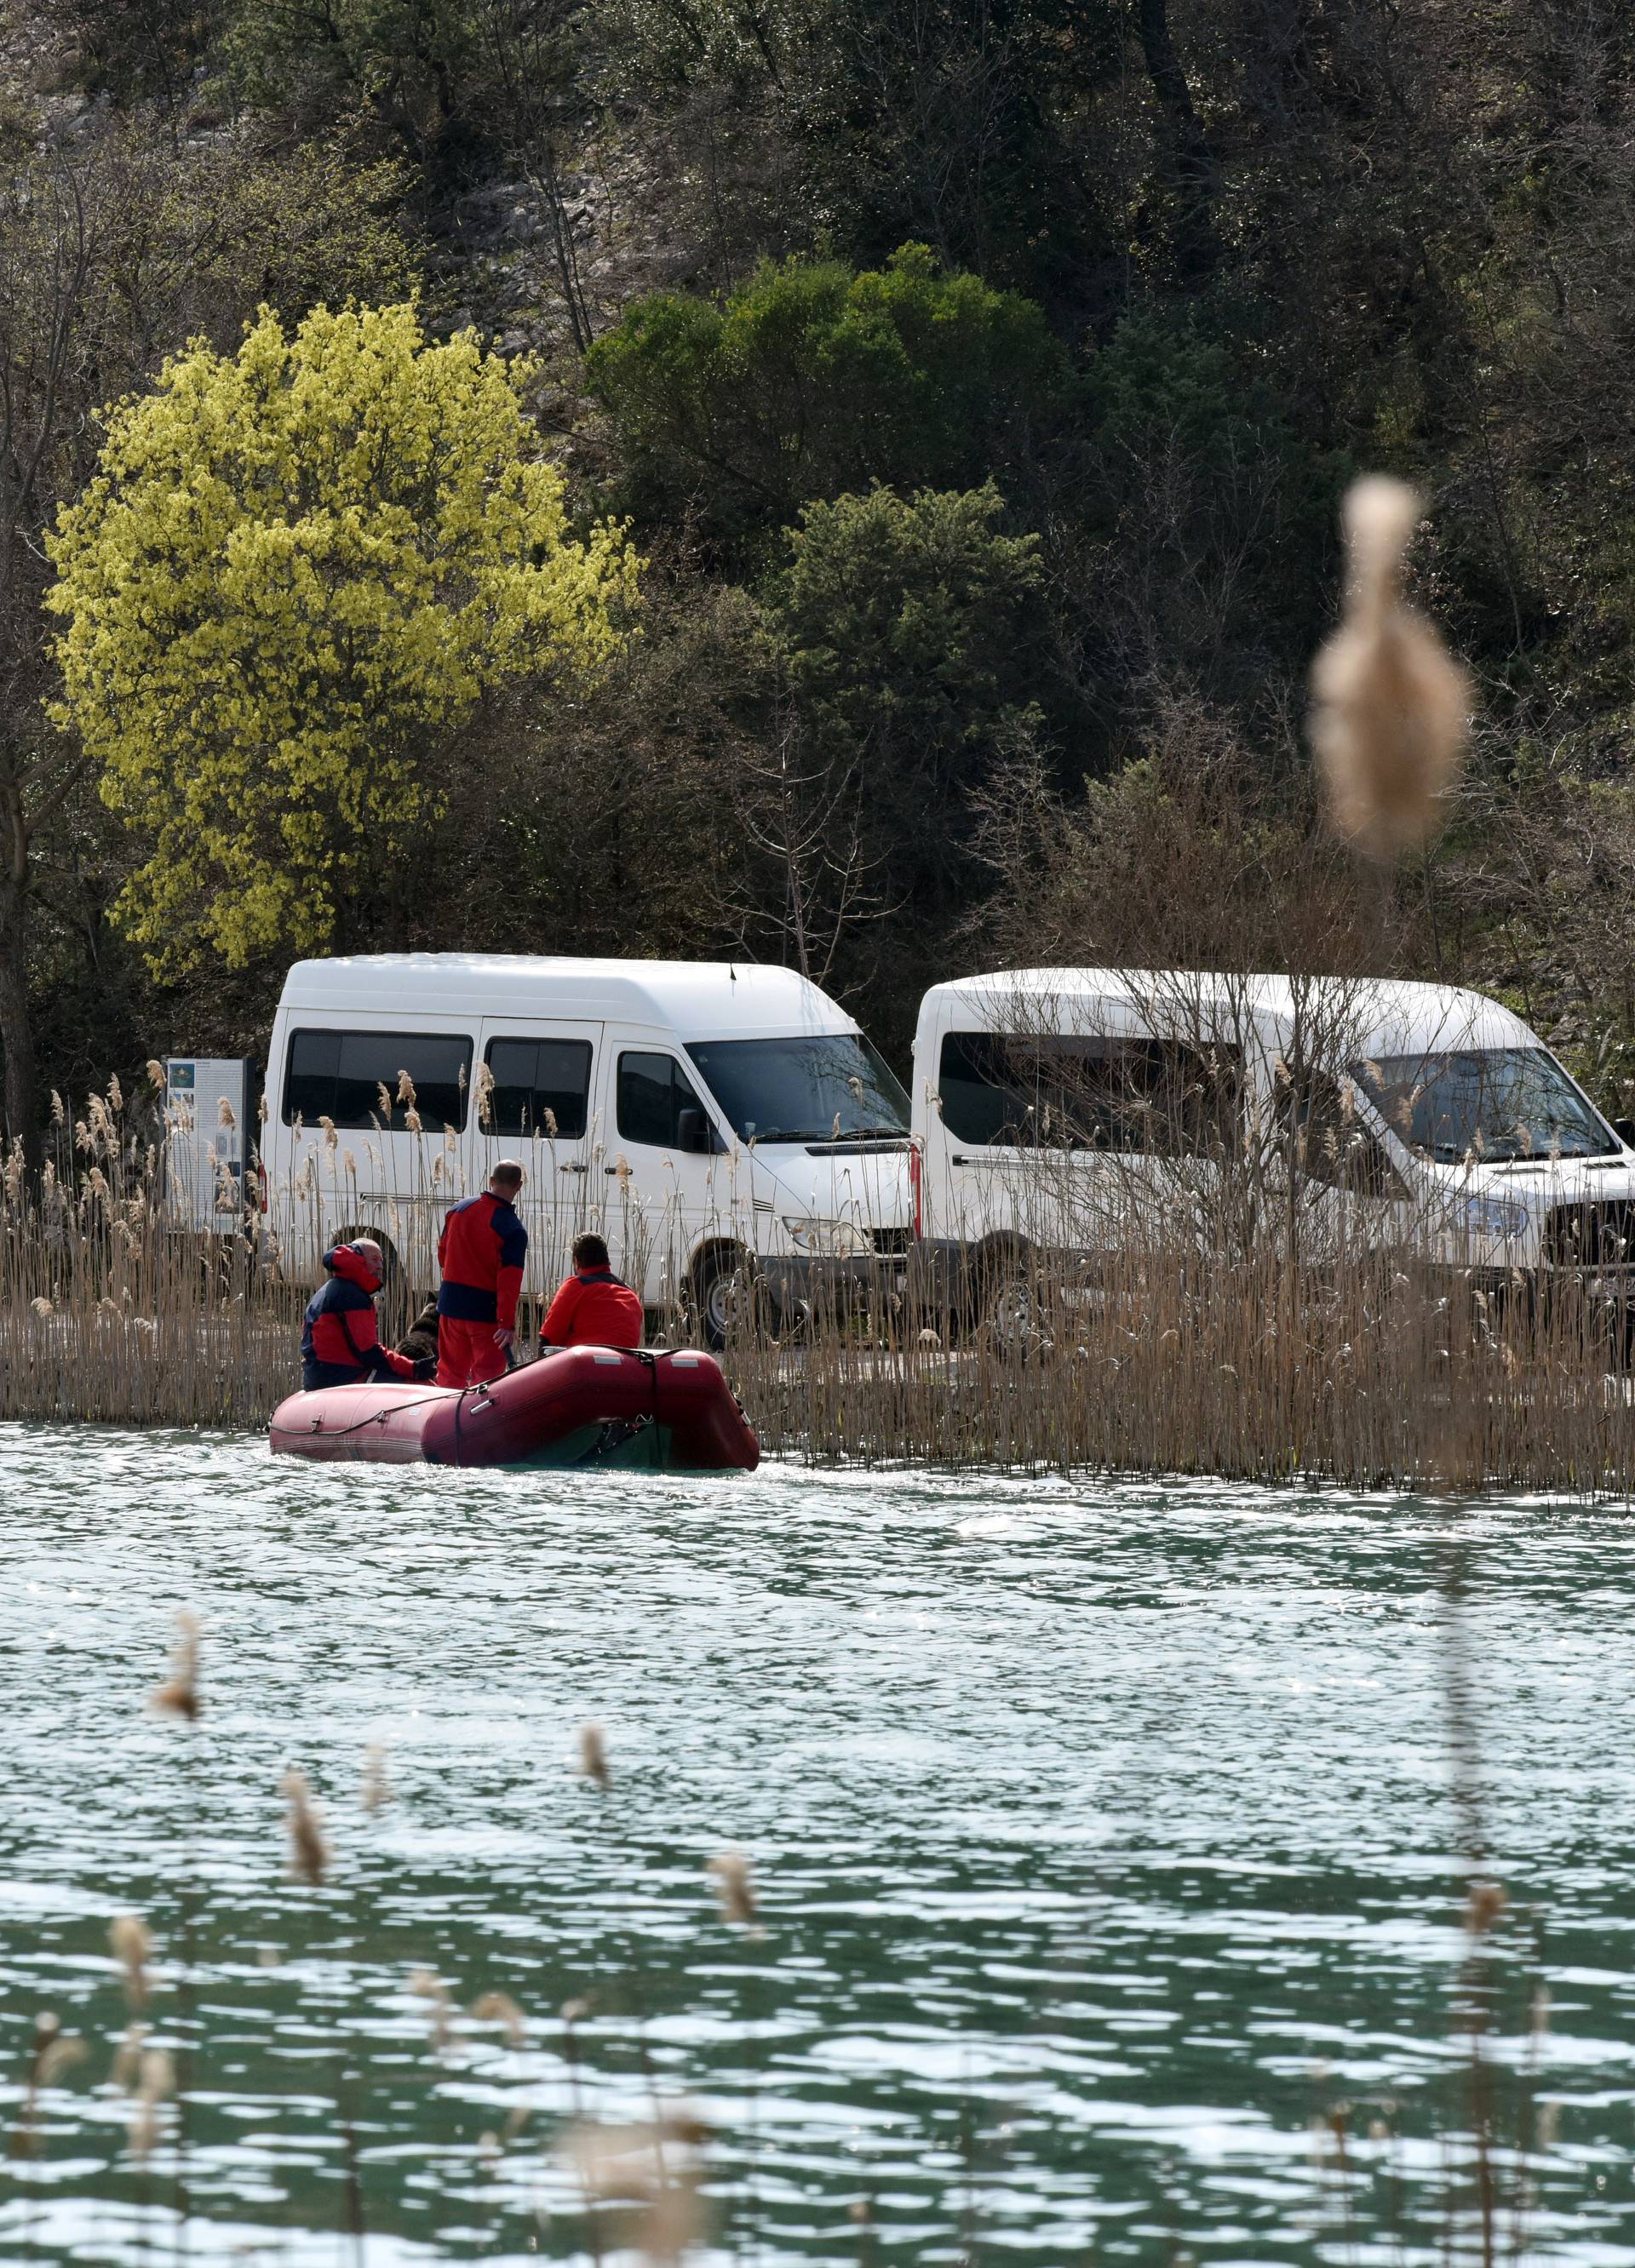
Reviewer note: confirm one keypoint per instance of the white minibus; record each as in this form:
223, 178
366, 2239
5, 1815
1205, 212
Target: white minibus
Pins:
1080, 1109
726, 1127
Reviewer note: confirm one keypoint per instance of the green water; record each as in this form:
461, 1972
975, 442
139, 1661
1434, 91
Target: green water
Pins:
1104, 1835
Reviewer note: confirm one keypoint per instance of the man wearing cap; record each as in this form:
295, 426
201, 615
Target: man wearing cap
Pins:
339, 1342
480, 1253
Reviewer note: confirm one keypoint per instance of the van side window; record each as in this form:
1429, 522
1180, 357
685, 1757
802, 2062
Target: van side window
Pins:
982, 1090
1163, 1098
339, 1075
653, 1093
540, 1086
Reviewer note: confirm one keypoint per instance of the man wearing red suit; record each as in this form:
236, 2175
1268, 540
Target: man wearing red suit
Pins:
593, 1308
481, 1252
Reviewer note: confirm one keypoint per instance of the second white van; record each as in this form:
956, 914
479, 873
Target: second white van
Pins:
726, 1127
1084, 1108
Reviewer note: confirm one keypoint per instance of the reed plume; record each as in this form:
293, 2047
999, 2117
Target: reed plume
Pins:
439, 2009
128, 2059
128, 1935
628, 2165
1485, 1906
500, 2008
593, 1755
178, 1696
155, 2084
309, 1849
53, 2052
376, 1792
736, 1890
1391, 707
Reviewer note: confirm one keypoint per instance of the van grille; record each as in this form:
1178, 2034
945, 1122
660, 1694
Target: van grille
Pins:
1591, 1235
890, 1244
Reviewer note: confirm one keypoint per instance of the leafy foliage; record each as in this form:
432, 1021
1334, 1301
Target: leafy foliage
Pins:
815, 379
902, 619
903, 624
299, 568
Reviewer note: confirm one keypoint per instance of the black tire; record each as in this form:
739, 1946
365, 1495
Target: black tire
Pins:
1009, 1303
722, 1296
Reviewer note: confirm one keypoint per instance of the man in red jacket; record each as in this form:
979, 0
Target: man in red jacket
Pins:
339, 1342
593, 1308
481, 1252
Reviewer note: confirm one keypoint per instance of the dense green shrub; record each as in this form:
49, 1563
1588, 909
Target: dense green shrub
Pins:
815, 379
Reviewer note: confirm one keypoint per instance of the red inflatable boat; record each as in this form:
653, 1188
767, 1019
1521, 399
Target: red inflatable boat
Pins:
578, 1405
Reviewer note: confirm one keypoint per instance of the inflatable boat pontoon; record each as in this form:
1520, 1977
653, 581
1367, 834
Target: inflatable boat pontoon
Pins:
578, 1405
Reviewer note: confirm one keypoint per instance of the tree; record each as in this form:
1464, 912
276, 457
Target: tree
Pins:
814, 380
906, 632
403, 63
48, 288
299, 570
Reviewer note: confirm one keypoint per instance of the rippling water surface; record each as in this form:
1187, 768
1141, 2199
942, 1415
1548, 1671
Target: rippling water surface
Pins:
1104, 1838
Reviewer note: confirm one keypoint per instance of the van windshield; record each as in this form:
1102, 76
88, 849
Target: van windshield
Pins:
830, 1088
1497, 1104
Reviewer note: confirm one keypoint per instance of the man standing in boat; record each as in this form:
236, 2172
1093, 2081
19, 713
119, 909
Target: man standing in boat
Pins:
480, 1253
593, 1308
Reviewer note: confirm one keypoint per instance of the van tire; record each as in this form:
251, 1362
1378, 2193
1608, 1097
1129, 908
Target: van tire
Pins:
722, 1293
1009, 1304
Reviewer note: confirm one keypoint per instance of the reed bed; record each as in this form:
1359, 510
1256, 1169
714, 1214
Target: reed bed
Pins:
107, 1312
1181, 1355
1253, 1369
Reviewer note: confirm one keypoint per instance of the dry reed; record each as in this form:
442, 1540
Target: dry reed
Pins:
1391, 705
734, 1886
593, 1755
178, 1696
309, 1848
376, 1790
500, 2008
427, 1985
127, 1936
156, 2084
1183, 1355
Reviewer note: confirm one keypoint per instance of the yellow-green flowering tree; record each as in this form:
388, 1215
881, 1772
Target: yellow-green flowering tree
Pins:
296, 571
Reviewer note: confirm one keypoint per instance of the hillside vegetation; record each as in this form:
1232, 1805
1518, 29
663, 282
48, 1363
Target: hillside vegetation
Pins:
974, 382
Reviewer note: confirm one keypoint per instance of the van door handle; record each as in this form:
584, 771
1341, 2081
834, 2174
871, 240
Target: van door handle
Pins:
574, 1167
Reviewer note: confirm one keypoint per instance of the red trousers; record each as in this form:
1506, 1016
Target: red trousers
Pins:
466, 1352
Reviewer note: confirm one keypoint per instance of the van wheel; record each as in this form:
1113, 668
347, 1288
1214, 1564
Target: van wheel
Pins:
723, 1298
1010, 1304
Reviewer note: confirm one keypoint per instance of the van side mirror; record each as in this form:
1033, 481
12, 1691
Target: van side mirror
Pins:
694, 1132
1624, 1129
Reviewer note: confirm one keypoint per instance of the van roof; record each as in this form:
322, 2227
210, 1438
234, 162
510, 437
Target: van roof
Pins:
702, 999
1392, 1016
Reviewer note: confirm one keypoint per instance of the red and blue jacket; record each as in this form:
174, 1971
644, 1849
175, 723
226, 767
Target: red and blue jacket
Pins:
480, 1253
593, 1308
339, 1345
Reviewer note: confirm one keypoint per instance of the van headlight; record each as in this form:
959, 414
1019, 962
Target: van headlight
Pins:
1490, 1216
836, 1240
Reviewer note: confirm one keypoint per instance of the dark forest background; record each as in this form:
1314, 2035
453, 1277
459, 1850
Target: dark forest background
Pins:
981, 381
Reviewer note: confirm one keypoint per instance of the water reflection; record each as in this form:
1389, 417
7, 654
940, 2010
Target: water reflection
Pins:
1101, 1832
